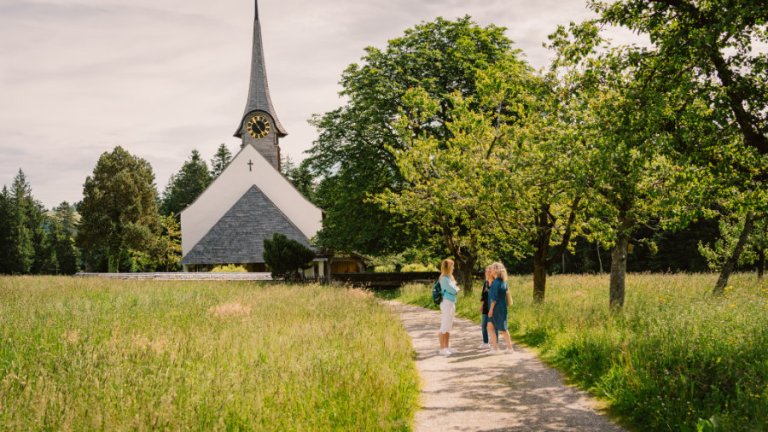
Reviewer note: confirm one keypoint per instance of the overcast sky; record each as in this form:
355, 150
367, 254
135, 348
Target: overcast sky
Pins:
160, 78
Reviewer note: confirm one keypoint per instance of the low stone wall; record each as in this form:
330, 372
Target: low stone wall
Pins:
190, 276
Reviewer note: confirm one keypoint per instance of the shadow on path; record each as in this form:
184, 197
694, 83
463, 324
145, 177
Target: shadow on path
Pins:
476, 391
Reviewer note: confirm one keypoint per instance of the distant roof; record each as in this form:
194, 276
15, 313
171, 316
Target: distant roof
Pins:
258, 92
238, 237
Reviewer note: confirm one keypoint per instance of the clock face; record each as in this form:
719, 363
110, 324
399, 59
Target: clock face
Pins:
258, 126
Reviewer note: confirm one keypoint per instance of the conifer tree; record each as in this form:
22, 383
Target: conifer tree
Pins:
220, 160
185, 186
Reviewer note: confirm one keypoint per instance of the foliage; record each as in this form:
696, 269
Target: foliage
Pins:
286, 257
118, 211
185, 186
229, 268
351, 154
167, 251
6, 232
418, 267
62, 232
220, 160
676, 355
634, 178
711, 50
120, 355
26, 244
300, 176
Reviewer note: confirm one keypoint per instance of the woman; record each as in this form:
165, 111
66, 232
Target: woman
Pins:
447, 306
484, 308
497, 312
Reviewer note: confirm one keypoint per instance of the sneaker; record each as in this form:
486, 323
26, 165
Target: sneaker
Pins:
484, 346
445, 352
496, 351
452, 351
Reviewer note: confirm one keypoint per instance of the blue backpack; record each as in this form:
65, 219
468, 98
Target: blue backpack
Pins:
437, 292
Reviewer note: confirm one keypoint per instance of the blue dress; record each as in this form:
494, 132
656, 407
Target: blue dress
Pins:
498, 293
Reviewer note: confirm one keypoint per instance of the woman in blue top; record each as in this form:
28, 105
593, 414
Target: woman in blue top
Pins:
447, 306
497, 312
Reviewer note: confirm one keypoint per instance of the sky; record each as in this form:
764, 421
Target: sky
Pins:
79, 77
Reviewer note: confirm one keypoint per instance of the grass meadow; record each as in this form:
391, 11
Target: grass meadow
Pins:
91, 354
676, 359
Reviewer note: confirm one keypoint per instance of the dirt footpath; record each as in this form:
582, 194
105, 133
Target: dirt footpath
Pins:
476, 391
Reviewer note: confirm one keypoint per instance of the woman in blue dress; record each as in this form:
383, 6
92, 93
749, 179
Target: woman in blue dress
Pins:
498, 295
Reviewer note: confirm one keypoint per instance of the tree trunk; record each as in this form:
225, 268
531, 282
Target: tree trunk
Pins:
541, 252
539, 278
466, 273
733, 260
619, 271
760, 263
599, 258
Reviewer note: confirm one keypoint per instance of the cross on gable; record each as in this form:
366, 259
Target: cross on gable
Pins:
250, 165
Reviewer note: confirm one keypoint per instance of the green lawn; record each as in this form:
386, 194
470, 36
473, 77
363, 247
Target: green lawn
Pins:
85, 354
675, 358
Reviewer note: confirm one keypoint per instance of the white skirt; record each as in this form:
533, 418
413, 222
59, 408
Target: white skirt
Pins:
447, 312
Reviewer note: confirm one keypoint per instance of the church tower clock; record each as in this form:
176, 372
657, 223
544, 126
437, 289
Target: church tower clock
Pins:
259, 125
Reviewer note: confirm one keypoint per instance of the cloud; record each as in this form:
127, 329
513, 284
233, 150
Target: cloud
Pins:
79, 77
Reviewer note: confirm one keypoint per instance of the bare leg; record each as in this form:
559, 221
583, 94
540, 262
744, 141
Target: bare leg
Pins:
492, 336
447, 340
508, 339
441, 338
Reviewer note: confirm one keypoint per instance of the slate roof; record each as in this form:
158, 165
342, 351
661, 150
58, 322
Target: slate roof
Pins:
238, 237
258, 92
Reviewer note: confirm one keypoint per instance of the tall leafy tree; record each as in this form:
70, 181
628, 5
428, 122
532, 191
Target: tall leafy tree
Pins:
715, 47
220, 160
458, 190
634, 177
119, 209
185, 186
351, 154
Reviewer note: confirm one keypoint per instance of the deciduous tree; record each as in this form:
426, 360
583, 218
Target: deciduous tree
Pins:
351, 153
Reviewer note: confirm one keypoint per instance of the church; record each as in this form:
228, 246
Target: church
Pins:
250, 200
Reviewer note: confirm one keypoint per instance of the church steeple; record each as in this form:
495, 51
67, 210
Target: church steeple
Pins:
258, 92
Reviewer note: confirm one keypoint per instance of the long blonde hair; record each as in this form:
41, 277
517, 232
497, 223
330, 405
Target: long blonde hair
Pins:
446, 268
500, 270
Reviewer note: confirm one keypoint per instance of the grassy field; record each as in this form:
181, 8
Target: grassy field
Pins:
676, 359
92, 354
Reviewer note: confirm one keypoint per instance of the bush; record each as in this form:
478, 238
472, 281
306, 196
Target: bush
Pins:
417, 267
286, 257
229, 268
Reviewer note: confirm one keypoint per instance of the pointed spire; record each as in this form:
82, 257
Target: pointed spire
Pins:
258, 93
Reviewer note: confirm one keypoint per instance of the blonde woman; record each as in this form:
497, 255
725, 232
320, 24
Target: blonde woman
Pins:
497, 312
447, 306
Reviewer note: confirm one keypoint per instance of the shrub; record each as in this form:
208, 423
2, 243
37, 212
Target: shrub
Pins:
417, 267
286, 256
229, 268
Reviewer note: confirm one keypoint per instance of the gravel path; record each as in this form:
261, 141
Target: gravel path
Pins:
476, 391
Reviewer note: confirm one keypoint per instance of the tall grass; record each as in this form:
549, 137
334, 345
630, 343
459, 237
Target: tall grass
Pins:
80, 354
676, 358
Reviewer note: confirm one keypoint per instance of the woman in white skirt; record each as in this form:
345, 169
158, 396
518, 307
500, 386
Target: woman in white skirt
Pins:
447, 306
